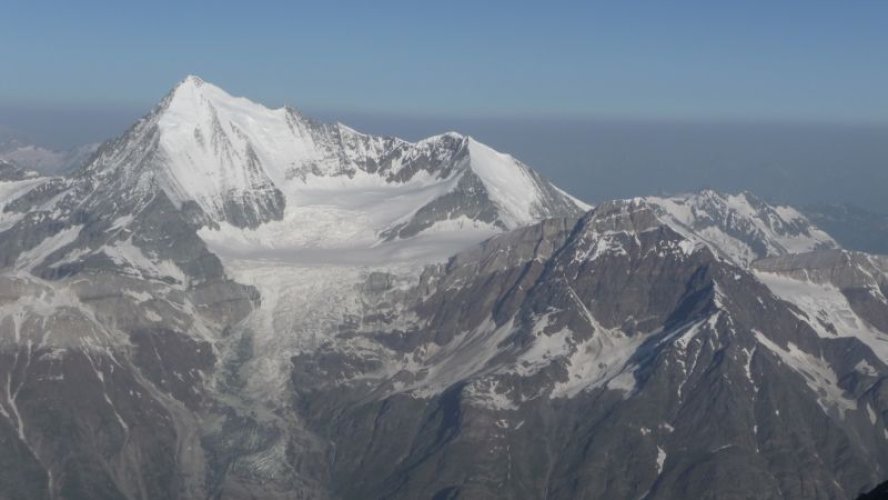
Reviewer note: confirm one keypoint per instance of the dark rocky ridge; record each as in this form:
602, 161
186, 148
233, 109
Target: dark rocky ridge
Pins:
718, 404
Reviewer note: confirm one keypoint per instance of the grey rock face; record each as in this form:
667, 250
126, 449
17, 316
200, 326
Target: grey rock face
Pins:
110, 305
842, 268
720, 379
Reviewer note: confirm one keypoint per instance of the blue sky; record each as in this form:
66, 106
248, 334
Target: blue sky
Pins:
774, 60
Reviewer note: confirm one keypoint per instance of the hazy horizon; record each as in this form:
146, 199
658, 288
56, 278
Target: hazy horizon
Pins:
608, 100
600, 159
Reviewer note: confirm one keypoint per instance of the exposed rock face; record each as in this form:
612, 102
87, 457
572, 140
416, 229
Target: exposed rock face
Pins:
611, 358
110, 305
105, 375
166, 338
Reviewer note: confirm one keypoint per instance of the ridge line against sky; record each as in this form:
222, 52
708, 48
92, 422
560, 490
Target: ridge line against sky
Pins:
777, 61
788, 99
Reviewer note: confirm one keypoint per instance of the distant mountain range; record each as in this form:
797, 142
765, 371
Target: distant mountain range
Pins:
44, 160
231, 301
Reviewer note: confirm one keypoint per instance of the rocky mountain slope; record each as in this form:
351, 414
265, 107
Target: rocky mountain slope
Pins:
237, 302
611, 357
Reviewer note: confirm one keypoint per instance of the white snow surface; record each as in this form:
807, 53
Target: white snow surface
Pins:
824, 304
341, 225
661, 459
509, 183
214, 147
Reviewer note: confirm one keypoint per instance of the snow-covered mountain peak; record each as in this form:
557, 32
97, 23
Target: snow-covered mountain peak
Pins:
291, 182
192, 97
445, 136
192, 80
741, 226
